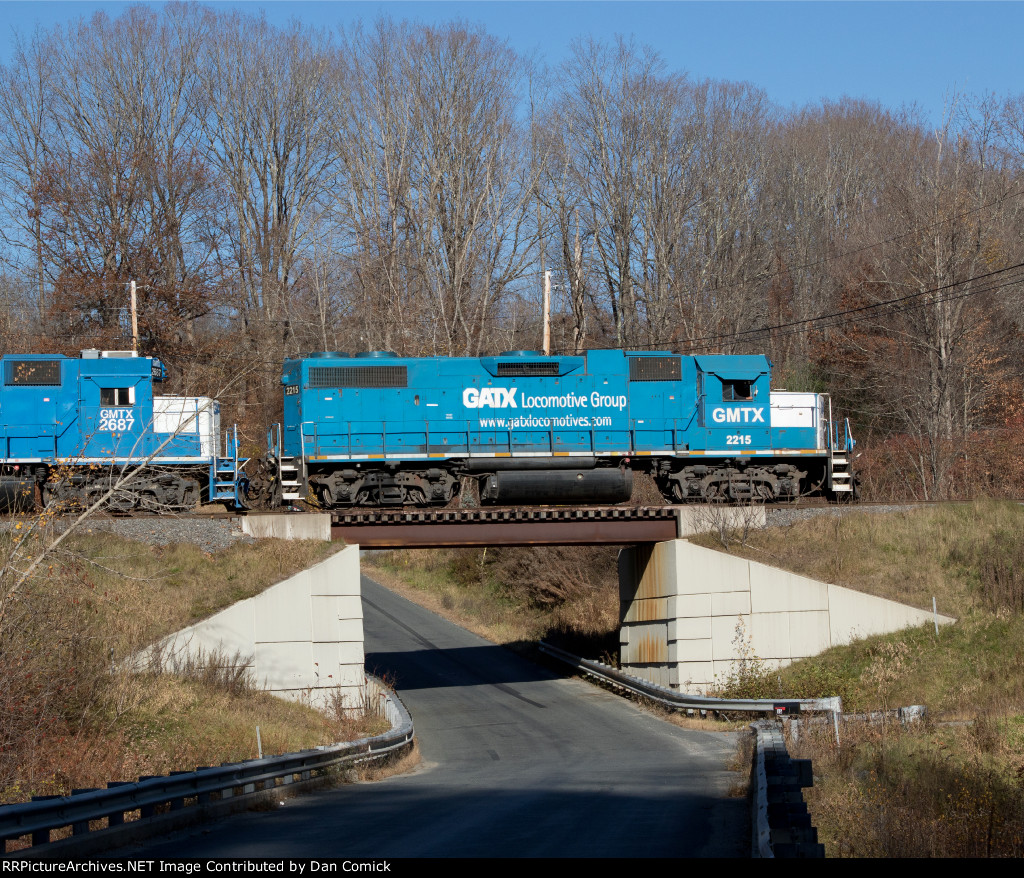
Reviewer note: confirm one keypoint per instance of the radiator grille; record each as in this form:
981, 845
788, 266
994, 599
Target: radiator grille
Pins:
358, 376
40, 373
655, 369
525, 370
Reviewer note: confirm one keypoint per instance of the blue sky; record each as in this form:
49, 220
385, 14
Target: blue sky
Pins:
798, 52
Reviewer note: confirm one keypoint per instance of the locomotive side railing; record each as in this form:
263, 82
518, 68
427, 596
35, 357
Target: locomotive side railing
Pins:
831, 440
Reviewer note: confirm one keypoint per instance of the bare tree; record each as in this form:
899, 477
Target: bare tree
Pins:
374, 140
124, 193
472, 186
268, 128
26, 128
601, 110
935, 356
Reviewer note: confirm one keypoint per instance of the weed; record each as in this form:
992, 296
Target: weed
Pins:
749, 676
73, 714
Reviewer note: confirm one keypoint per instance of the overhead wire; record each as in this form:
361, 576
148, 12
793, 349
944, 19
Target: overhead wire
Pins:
810, 323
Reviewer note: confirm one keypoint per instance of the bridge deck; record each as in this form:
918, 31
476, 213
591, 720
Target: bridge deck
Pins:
506, 527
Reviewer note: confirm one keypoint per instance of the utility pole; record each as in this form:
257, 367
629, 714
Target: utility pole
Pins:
134, 321
547, 313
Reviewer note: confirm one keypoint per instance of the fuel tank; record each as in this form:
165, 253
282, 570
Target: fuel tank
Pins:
539, 487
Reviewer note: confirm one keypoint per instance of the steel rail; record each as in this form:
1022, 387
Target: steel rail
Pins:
685, 701
38, 817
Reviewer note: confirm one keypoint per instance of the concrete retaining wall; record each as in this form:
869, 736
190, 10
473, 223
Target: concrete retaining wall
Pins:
302, 638
689, 614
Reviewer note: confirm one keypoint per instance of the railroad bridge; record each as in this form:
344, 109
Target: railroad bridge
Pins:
686, 613
558, 526
503, 526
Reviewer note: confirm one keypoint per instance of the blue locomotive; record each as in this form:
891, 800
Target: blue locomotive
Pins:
72, 428
379, 429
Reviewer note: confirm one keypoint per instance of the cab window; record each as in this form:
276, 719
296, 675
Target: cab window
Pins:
735, 390
117, 396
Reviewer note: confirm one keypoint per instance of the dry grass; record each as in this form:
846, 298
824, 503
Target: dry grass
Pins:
71, 715
922, 791
172, 725
409, 760
908, 557
954, 787
143, 592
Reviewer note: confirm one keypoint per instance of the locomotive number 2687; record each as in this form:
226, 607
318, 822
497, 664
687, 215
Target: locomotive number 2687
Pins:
115, 420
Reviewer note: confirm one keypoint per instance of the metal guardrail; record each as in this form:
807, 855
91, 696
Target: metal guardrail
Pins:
761, 847
780, 824
685, 701
181, 790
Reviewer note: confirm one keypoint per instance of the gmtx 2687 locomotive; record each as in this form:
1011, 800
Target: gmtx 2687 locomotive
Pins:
378, 429
70, 428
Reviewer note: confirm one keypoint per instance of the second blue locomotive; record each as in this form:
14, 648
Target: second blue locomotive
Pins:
76, 430
378, 429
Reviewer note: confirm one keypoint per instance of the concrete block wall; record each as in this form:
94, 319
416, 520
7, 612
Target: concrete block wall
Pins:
284, 526
710, 517
689, 614
302, 638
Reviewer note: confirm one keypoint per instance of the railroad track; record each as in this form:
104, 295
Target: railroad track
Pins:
506, 526
359, 516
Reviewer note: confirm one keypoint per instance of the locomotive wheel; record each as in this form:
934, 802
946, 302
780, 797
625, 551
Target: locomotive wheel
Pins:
264, 487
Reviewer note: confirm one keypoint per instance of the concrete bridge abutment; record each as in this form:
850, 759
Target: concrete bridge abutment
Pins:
689, 615
301, 639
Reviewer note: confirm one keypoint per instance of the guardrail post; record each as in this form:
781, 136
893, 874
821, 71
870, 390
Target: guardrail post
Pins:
116, 818
82, 826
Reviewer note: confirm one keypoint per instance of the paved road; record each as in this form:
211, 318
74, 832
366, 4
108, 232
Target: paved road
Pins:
516, 762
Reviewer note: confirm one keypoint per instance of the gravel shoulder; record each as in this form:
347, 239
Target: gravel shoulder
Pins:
209, 534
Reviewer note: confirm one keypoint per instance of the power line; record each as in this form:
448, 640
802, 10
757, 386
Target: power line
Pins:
841, 320
860, 309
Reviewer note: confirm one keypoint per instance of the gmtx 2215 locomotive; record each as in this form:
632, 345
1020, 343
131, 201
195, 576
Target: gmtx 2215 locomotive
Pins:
71, 428
378, 429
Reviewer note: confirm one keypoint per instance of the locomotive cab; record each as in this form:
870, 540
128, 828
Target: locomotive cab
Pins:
735, 407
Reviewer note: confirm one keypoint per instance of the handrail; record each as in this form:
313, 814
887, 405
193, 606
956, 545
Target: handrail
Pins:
831, 440
37, 818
